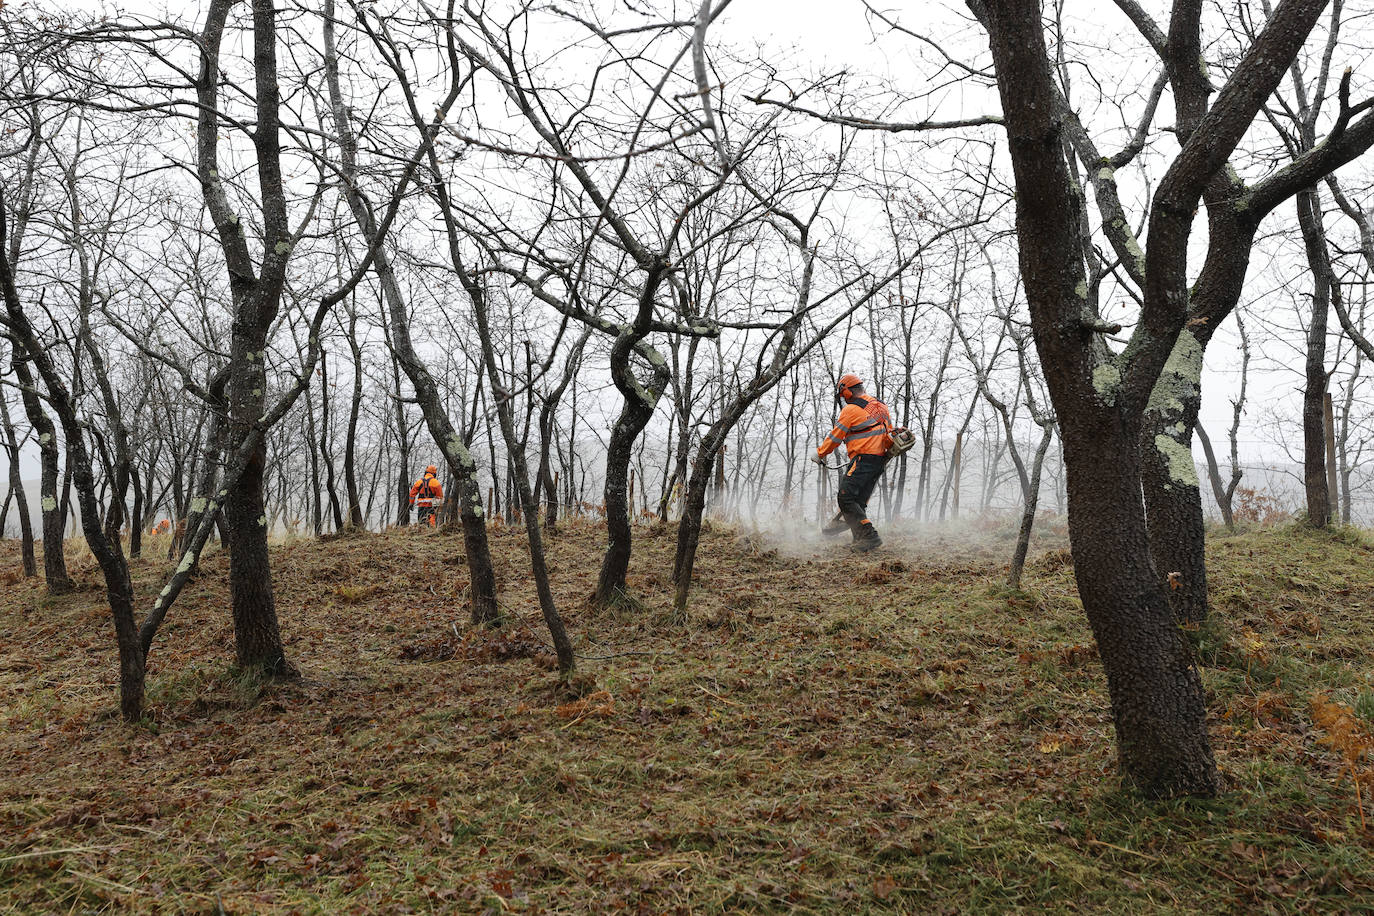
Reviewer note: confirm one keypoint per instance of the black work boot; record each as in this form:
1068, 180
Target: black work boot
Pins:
867, 538
836, 525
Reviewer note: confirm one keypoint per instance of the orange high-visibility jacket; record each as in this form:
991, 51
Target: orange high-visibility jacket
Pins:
426, 489
864, 426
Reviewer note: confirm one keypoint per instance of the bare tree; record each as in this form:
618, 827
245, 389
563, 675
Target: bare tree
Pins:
101, 537
452, 446
1225, 493
1156, 694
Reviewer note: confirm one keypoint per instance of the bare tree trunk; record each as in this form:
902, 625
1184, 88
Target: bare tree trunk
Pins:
1329, 425
136, 523
952, 471
210, 461
312, 445
1214, 476
1156, 694
638, 409
325, 454
924, 498
567, 661
26, 551
958, 473
54, 521
257, 637
1174, 494
257, 299
547, 479
1314, 394
350, 468
1032, 503
402, 496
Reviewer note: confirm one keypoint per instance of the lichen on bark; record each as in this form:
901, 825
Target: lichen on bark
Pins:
1181, 378
1179, 459
1106, 382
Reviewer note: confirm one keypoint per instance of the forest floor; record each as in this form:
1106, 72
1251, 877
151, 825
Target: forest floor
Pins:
826, 733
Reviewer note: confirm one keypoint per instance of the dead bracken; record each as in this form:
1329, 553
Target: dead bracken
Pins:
930, 741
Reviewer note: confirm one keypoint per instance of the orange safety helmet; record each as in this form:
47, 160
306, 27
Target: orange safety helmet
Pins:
432, 469
848, 382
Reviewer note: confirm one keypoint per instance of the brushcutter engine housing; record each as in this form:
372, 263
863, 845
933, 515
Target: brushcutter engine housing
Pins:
903, 440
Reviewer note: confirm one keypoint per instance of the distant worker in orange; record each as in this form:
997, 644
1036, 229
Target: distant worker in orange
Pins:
865, 428
426, 496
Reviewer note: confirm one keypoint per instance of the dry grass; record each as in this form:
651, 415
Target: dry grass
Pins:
826, 734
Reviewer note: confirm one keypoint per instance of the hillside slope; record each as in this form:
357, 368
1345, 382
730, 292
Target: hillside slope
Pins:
825, 734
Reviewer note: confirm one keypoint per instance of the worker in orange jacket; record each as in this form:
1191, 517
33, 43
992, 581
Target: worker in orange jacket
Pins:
865, 428
427, 495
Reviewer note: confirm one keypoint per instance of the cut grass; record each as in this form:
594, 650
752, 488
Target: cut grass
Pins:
824, 734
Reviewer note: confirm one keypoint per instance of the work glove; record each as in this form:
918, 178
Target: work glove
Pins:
817, 459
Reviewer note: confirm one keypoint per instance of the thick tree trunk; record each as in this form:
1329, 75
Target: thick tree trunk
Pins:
257, 637
638, 410
1175, 520
1156, 694
615, 565
1173, 492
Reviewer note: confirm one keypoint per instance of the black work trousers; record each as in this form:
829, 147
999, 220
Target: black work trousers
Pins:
860, 478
